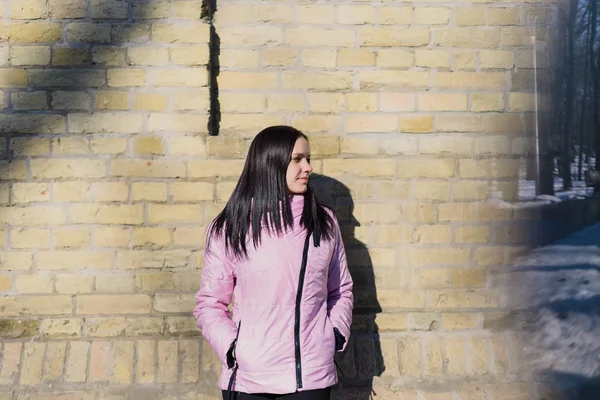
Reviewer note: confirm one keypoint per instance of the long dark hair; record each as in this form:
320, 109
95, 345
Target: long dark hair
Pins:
261, 196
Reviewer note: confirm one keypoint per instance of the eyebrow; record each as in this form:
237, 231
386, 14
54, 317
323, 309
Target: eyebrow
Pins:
301, 154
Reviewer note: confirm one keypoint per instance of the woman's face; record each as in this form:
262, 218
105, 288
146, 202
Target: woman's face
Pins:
299, 167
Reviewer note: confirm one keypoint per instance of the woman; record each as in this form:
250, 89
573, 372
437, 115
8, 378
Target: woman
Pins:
280, 255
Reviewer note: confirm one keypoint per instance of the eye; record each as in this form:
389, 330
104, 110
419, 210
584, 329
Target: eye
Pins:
308, 159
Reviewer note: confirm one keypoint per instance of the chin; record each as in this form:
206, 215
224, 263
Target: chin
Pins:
299, 190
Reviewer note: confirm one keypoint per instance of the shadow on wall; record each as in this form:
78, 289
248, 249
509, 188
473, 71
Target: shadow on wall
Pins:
363, 359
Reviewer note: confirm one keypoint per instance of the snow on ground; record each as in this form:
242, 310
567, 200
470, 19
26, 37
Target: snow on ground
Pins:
559, 285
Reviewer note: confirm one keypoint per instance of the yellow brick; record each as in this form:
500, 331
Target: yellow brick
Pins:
29, 101
186, 145
107, 214
503, 16
148, 56
71, 237
389, 234
470, 80
355, 57
30, 55
449, 146
145, 360
111, 237
55, 358
442, 102
468, 277
459, 123
71, 191
423, 257
105, 123
416, 124
122, 370
180, 33
70, 146
490, 255
151, 236
242, 102
113, 304
468, 37
156, 9
191, 191
56, 168
431, 190
34, 283
472, 234
35, 305
319, 58
151, 102
70, 56
148, 145
260, 35
482, 102
413, 168
432, 58
392, 37
455, 355
190, 363
402, 80
463, 298
247, 80
11, 361
111, 101
433, 359
464, 59
70, 101
99, 359
272, 13
432, 15
71, 9
29, 238
158, 213
390, 15
478, 355
88, 32
144, 327
461, 321
185, 236
33, 362
33, 123
30, 192
376, 167
114, 283
519, 102
315, 14
110, 191
375, 123
361, 102
236, 58
75, 259
359, 145
355, 14
76, 365
110, 56
5, 283
285, 102
395, 58
186, 9
196, 55
67, 78
323, 37
130, 33
500, 168
180, 77
279, 56
167, 370
109, 9
105, 327
148, 169
497, 145
395, 102
215, 168
40, 215
498, 59
471, 212
410, 356
518, 36
153, 191
28, 9
126, 77
191, 100
470, 16
247, 125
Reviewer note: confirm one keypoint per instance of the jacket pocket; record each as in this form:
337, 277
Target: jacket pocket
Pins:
231, 358
340, 340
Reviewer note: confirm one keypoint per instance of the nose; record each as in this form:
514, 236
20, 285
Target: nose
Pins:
307, 167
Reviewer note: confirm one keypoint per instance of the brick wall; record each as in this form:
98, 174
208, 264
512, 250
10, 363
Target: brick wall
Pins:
418, 115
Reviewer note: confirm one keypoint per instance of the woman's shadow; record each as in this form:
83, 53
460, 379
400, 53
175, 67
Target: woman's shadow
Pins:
363, 358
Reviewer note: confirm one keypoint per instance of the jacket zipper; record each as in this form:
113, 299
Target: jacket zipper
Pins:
297, 322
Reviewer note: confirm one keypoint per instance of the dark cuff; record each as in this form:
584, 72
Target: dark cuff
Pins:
340, 340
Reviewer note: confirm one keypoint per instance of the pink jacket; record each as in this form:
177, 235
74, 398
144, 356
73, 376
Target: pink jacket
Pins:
265, 288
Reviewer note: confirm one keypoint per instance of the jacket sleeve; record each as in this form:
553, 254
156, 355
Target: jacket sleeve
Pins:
216, 290
340, 299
